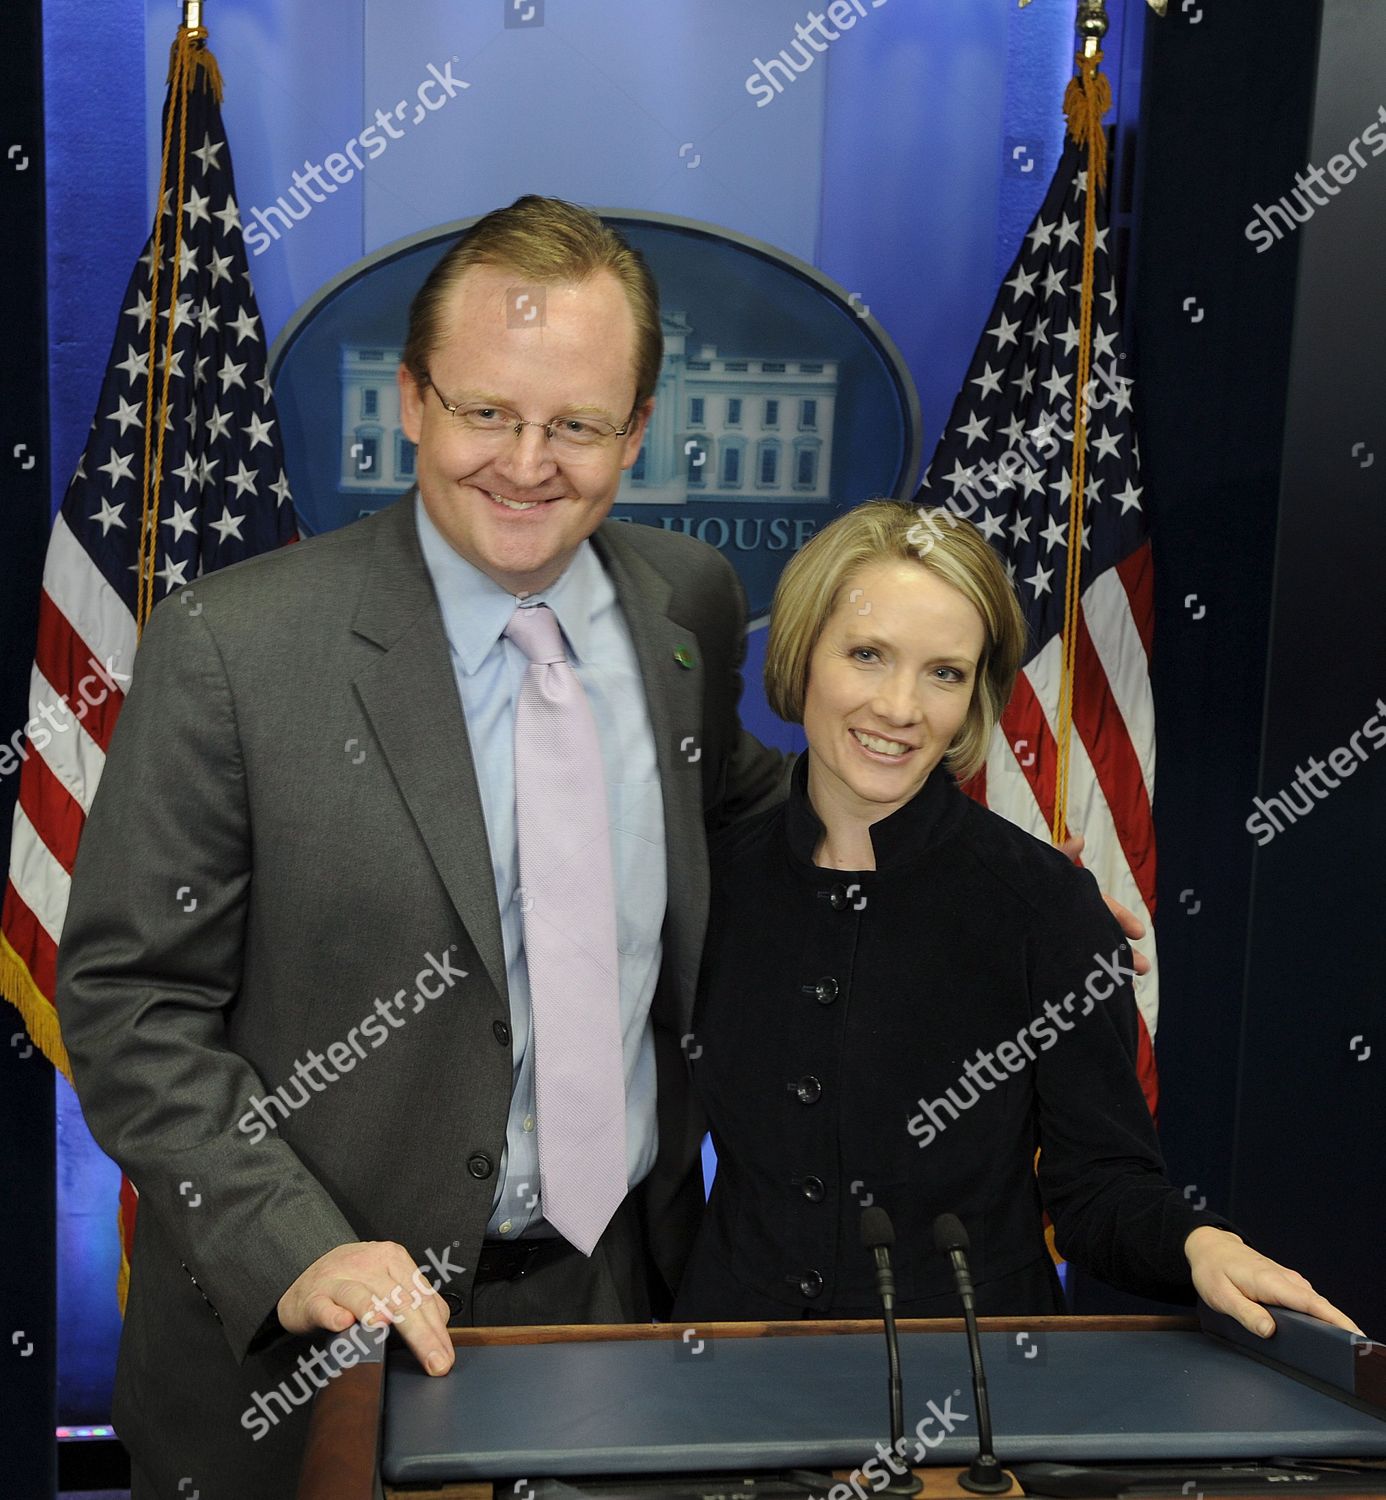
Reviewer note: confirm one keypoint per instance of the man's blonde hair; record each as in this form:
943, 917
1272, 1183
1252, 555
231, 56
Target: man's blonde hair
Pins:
549, 242
811, 586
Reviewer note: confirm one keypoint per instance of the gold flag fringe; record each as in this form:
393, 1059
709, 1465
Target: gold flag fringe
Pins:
40, 1018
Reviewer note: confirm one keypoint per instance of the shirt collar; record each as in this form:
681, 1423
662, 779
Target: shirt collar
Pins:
476, 609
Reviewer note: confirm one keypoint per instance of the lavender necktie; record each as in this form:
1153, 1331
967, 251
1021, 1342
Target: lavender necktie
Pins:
569, 906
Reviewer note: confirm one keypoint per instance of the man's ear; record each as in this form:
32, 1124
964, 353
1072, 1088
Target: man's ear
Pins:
630, 444
411, 403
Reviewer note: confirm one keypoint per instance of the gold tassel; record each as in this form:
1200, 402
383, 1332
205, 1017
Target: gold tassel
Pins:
1086, 103
202, 60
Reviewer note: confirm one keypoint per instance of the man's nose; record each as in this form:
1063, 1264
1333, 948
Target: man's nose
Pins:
528, 459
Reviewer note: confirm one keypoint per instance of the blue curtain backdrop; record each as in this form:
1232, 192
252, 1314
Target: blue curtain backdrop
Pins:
905, 162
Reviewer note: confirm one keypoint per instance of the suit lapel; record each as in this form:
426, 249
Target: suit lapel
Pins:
409, 694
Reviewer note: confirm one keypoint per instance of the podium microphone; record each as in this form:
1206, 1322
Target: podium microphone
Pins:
984, 1476
877, 1236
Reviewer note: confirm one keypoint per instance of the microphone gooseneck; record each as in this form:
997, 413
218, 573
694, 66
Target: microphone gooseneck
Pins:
877, 1236
984, 1476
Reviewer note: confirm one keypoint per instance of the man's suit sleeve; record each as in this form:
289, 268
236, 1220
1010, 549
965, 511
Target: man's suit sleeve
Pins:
756, 777
149, 969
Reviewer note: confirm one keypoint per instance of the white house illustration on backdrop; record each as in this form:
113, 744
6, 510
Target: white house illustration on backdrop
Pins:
724, 427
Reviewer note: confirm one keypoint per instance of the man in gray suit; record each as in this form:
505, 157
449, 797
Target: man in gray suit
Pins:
293, 979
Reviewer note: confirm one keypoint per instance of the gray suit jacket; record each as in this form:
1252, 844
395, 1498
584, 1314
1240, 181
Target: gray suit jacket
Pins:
288, 828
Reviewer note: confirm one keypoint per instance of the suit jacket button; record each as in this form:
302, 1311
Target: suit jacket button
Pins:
837, 897
502, 1032
807, 1090
480, 1165
810, 1283
812, 1188
825, 990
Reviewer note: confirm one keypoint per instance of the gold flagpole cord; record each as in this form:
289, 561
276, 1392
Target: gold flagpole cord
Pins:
1086, 101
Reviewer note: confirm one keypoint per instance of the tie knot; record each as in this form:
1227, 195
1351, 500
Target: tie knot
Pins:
534, 629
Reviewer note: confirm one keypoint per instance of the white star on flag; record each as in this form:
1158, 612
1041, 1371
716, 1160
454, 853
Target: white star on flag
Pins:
118, 466
209, 153
228, 525
244, 324
127, 414
258, 432
108, 515
196, 206
172, 573
230, 374
134, 364
243, 479
181, 520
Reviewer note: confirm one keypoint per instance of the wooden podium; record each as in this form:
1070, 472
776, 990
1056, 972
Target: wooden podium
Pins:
345, 1443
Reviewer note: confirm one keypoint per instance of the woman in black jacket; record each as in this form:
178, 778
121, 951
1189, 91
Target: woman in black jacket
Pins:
904, 996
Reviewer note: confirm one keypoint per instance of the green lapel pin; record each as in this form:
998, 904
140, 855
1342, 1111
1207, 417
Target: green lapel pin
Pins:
684, 657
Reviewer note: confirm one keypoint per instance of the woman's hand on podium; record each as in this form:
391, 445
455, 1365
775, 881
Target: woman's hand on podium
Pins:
373, 1283
1233, 1278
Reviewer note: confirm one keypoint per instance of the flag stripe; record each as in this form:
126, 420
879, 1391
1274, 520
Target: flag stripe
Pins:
33, 946
1137, 576
1027, 732
40, 881
93, 610
1117, 642
1118, 772
69, 751
92, 699
49, 806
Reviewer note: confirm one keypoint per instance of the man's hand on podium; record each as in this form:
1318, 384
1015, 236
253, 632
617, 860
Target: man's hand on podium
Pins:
1131, 925
1233, 1278
372, 1283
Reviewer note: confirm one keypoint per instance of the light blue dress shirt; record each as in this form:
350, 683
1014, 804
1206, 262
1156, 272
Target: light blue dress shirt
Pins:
489, 670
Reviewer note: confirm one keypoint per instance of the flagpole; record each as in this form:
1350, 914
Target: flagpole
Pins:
192, 14
1092, 25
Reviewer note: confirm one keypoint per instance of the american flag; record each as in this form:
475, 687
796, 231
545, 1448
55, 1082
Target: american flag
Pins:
1004, 462
221, 496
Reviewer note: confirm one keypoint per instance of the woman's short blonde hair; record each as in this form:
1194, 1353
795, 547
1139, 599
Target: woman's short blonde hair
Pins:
547, 241
889, 531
